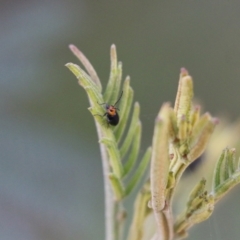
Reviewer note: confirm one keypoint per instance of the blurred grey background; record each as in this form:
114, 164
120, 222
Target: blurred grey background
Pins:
50, 171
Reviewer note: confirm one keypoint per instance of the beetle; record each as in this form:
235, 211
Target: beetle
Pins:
111, 112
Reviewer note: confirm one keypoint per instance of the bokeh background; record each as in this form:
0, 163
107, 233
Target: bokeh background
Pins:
51, 184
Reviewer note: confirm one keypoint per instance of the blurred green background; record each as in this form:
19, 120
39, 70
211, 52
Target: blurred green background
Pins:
51, 184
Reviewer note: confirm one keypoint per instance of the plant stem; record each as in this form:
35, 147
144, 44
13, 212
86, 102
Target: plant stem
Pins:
109, 201
119, 217
112, 207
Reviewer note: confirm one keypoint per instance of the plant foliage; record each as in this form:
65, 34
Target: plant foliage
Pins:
181, 135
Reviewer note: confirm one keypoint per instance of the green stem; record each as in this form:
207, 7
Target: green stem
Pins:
116, 224
109, 202
119, 219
